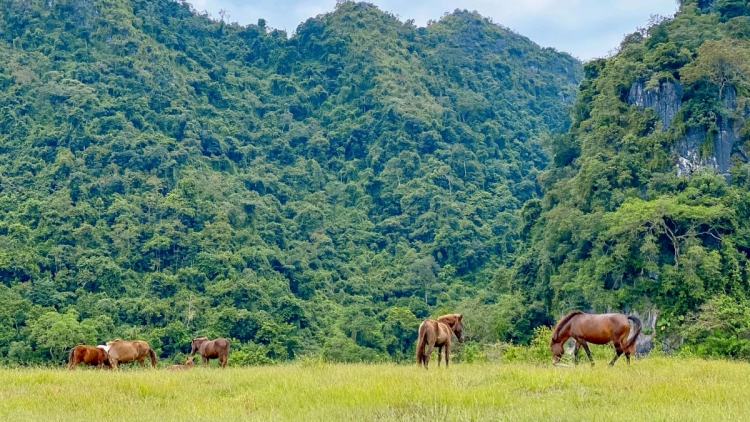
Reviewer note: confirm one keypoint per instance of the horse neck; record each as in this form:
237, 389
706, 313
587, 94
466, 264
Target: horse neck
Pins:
199, 343
564, 333
448, 328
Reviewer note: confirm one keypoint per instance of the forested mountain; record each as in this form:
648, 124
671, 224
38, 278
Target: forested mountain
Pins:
165, 175
647, 202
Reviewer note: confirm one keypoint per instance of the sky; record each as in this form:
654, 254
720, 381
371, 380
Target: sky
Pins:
585, 28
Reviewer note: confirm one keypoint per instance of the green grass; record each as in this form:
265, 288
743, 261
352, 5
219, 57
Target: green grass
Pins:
660, 389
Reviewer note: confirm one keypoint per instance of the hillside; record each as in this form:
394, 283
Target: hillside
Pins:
164, 175
646, 200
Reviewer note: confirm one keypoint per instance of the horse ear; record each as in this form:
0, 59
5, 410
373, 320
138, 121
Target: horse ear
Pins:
460, 316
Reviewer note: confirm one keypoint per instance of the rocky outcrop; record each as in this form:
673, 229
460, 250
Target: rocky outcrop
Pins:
689, 157
691, 154
645, 341
666, 99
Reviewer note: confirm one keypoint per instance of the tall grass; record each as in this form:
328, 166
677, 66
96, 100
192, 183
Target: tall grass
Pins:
650, 389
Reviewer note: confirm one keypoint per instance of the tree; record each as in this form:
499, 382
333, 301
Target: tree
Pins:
57, 333
721, 62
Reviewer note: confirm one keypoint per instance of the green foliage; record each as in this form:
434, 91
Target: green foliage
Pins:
316, 195
618, 228
721, 327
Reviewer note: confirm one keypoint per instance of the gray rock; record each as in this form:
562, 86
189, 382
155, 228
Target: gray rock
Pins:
666, 99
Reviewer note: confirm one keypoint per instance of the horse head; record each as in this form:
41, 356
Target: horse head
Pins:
195, 344
105, 358
190, 361
557, 351
455, 321
560, 335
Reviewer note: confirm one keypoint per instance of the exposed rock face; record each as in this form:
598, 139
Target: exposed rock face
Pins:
645, 342
689, 157
666, 99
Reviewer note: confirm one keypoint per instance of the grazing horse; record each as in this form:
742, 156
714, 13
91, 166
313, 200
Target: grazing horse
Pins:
188, 364
88, 355
211, 349
438, 333
596, 329
121, 351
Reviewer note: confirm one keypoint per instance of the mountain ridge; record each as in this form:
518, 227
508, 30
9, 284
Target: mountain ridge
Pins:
165, 175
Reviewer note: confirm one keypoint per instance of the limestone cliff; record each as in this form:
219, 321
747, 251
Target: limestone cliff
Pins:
690, 151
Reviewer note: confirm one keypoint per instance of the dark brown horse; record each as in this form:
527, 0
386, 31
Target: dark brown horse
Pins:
188, 364
211, 349
121, 351
89, 355
596, 329
438, 333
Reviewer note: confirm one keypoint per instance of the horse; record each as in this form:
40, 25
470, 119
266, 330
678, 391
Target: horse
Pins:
596, 329
188, 364
88, 355
438, 333
210, 349
121, 351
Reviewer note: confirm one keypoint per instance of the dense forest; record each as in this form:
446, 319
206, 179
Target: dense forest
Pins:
165, 175
647, 197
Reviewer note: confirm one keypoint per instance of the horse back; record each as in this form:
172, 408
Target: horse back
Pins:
89, 354
437, 332
215, 348
600, 328
128, 351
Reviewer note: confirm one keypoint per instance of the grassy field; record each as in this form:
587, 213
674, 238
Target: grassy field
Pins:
659, 389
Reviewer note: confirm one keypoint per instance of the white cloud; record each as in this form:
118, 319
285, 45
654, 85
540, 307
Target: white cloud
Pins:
584, 28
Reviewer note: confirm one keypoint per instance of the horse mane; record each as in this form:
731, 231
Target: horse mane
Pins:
200, 338
562, 323
450, 319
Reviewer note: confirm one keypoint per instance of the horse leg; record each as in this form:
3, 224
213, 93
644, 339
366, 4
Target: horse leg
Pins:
618, 352
440, 355
588, 352
143, 365
224, 361
427, 355
205, 361
575, 352
447, 354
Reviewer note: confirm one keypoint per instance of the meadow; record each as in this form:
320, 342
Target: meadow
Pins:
658, 388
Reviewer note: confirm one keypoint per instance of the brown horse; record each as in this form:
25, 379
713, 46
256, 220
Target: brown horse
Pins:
438, 333
188, 364
121, 351
596, 329
89, 355
211, 349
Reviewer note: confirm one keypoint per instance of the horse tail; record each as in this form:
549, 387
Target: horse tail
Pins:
152, 354
420, 343
633, 339
71, 357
